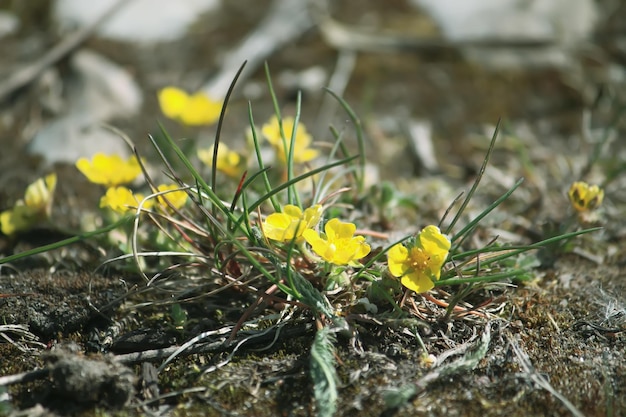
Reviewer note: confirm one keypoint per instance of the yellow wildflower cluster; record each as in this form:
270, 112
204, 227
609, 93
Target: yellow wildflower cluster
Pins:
33, 208
228, 161
418, 265
301, 148
291, 223
113, 172
338, 245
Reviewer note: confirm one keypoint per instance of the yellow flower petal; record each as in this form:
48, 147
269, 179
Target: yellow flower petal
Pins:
176, 198
229, 162
121, 200
35, 206
397, 260
417, 281
173, 101
109, 170
193, 110
40, 193
302, 153
18, 218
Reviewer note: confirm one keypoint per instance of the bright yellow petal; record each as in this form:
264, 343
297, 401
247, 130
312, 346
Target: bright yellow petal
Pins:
433, 242
176, 198
417, 282
271, 132
119, 199
200, 110
293, 211
318, 244
397, 260
228, 161
350, 250
109, 170
312, 215
276, 226
336, 229
305, 155
173, 102
363, 249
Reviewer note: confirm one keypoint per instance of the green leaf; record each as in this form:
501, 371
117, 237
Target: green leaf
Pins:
323, 373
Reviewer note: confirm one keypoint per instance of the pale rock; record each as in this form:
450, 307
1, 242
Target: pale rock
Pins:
564, 23
98, 91
137, 20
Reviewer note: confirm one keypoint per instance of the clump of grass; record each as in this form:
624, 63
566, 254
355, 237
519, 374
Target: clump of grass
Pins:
289, 235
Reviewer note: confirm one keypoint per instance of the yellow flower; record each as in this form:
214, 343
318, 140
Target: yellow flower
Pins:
109, 170
122, 200
585, 197
339, 245
190, 109
302, 152
176, 198
229, 162
420, 265
35, 206
291, 223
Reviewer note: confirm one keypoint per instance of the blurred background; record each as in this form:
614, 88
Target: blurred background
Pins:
425, 76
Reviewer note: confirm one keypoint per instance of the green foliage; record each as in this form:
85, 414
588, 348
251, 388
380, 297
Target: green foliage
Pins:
323, 373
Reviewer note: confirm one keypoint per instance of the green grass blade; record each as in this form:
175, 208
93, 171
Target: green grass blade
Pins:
358, 126
471, 225
215, 200
66, 242
292, 194
220, 123
259, 158
478, 178
298, 179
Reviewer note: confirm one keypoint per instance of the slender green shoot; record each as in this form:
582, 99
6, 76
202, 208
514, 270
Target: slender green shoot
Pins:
358, 127
66, 242
470, 194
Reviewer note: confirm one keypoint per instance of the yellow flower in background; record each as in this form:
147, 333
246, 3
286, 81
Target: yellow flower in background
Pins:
301, 152
176, 198
35, 206
190, 109
291, 223
420, 265
109, 170
122, 200
228, 161
338, 246
585, 197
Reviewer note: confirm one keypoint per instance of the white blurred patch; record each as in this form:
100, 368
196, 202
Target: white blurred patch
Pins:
137, 21
563, 22
9, 24
98, 91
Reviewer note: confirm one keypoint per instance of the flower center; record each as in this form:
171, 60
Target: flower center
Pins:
419, 259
